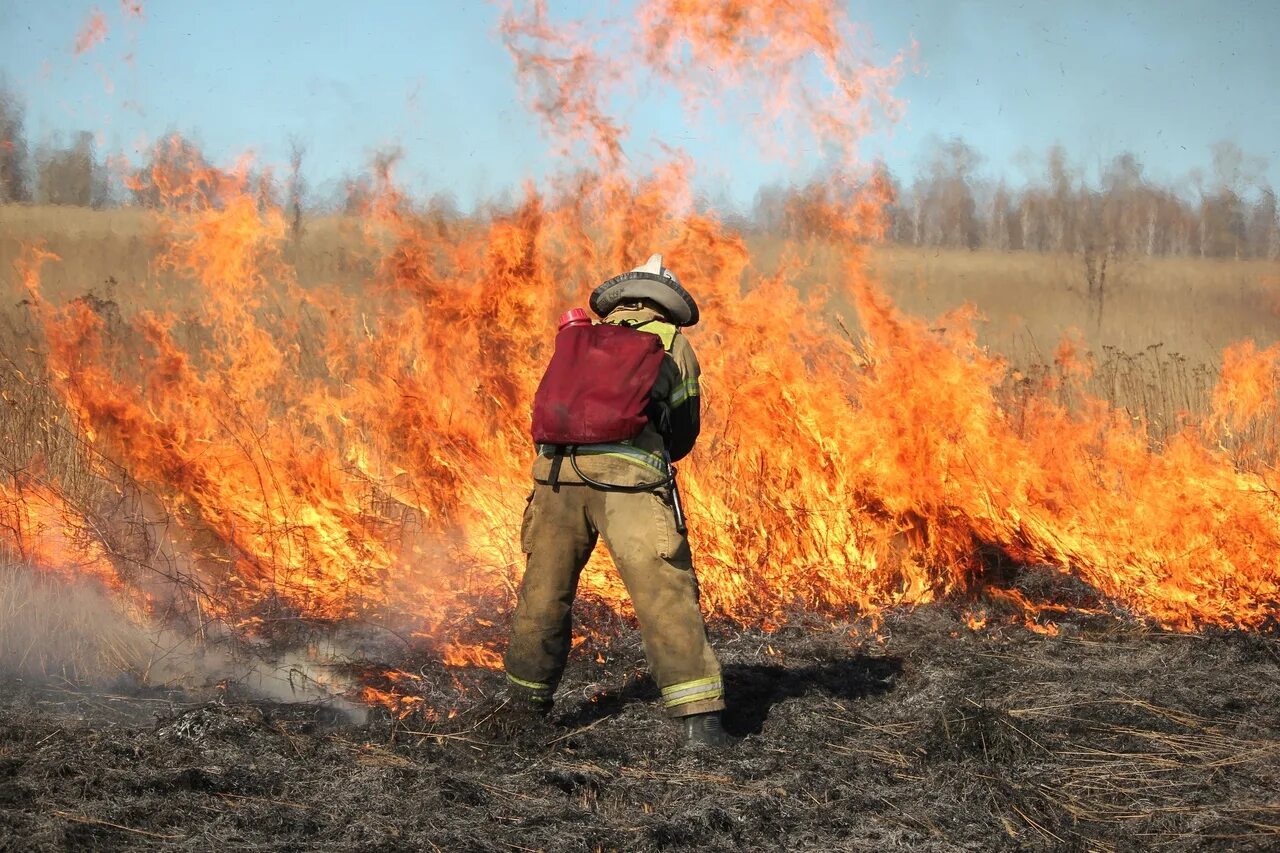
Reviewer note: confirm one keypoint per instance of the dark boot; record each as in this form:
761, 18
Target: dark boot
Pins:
705, 730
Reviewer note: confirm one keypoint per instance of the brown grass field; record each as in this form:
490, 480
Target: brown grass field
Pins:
1190, 306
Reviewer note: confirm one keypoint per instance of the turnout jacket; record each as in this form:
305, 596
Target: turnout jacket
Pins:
639, 460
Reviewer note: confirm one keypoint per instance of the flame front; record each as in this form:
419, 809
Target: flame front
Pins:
38, 528
333, 454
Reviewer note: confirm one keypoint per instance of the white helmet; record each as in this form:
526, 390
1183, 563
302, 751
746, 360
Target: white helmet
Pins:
651, 281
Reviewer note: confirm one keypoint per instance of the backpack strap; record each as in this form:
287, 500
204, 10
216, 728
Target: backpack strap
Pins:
666, 332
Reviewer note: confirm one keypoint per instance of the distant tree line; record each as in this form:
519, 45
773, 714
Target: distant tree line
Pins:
56, 172
14, 185
1230, 212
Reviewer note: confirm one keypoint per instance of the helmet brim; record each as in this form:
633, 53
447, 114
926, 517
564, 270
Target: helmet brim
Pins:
674, 300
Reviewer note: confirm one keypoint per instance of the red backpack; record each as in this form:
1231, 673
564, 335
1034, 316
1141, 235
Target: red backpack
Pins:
597, 386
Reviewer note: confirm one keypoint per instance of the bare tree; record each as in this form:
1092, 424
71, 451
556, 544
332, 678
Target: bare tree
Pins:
1264, 227
1223, 214
375, 187
1125, 205
950, 211
13, 148
71, 175
1061, 202
1231, 213
768, 212
296, 186
1004, 227
1100, 251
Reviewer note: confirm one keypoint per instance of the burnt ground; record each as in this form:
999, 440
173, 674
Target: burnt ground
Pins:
929, 737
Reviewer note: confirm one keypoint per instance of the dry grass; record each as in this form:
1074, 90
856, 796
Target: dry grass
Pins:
96, 247
1190, 306
111, 252
988, 741
1194, 307
51, 629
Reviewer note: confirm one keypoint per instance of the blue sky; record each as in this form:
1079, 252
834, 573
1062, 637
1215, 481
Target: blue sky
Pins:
1164, 79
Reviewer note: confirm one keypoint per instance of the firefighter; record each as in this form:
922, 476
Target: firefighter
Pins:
624, 492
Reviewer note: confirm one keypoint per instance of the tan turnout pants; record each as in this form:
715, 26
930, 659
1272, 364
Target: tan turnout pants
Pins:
560, 529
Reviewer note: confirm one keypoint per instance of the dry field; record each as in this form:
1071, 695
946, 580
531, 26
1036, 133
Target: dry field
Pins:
929, 732
1190, 306
1154, 353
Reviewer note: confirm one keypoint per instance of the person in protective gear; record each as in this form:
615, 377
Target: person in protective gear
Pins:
621, 490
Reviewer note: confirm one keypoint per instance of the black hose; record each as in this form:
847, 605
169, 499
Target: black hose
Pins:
669, 480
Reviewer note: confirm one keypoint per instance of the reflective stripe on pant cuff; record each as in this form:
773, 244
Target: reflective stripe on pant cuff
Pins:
692, 691
706, 706
535, 687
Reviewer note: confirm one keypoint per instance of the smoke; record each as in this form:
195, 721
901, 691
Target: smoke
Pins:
76, 632
72, 631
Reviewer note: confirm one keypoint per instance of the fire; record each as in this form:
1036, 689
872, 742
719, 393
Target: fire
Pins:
401, 703
333, 455
764, 53
39, 529
93, 33
799, 71
1249, 387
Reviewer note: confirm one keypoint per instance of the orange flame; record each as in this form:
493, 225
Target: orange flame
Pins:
38, 528
1249, 386
93, 33
396, 700
341, 454
821, 459
763, 53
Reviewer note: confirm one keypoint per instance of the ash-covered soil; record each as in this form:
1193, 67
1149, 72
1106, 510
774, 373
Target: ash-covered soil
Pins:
927, 737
